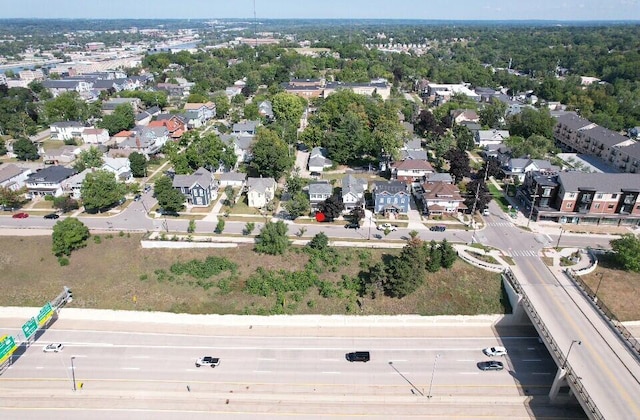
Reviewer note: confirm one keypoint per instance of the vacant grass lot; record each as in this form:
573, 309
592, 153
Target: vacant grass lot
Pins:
118, 274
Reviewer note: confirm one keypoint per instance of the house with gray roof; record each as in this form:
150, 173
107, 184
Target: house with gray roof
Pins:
353, 189
517, 168
145, 140
318, 160
241, 144
110, 105
319, 191
233, 179
265, 109
247, 127
13, 177
56, 87
48, 181
486, 137
199, 188
260, 191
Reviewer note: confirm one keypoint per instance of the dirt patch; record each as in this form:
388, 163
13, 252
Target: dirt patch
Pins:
118, 274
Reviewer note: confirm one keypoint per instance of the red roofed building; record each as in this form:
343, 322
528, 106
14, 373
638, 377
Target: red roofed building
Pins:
174, 125
439, 198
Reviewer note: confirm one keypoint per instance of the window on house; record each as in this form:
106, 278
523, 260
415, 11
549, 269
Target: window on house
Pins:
610, 206
572, 195
614, 195
599, 196
597, 206
569, 205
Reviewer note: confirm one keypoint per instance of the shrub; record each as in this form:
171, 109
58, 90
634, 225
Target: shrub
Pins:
97, 239
204, 269
63, 261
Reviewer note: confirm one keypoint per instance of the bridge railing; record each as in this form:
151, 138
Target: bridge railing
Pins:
571, 376
631, 341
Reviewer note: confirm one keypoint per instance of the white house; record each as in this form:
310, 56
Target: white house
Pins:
13, 177
318, 160
95, 135
260, 191
66, 130
353, 192
73, 184
48, 181
487, 137
120, 167
518, 168
232, 179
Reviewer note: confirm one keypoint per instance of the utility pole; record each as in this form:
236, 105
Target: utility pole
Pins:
533, 203
475, 202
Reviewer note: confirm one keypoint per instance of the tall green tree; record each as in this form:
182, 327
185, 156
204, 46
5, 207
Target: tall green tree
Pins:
100, 190
332, 207
169, 198
68, 235
297, 205
492, 114
67, 106
89, 158
627, 251
138, 164
270, 154
273, 239
122, 118
531, 121
406, 272
11, 198
25, 149
288, 108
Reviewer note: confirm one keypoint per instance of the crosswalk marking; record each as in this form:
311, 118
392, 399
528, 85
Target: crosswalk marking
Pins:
522, 253
507, 224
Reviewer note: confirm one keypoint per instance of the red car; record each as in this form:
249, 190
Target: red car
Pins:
20, 215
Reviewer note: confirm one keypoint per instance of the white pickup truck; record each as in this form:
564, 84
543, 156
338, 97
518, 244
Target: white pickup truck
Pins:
208, 361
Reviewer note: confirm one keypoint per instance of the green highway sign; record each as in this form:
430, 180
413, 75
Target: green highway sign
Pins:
7, 347
45, 313
29, 328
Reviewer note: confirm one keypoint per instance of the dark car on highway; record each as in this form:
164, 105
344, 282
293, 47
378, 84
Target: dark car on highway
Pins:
52, 216
490, 365
358, 356
352, 226
438, 228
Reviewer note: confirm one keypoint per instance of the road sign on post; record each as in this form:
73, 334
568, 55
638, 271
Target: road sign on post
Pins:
29, 328
45, 313
7, 347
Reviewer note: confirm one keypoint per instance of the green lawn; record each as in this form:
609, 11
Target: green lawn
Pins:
498, 196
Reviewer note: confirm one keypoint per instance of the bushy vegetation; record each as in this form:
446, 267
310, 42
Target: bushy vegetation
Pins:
211, 266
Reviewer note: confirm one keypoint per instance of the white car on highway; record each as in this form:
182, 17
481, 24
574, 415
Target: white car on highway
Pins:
53, 348
495, 351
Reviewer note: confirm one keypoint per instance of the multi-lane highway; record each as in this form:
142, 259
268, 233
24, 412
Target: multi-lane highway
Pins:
292, 371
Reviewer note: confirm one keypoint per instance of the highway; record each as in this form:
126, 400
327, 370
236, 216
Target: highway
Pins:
292, 372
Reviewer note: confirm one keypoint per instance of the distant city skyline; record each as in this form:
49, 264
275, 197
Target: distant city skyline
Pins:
563, 10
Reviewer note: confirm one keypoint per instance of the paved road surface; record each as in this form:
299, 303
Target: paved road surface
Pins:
287, 371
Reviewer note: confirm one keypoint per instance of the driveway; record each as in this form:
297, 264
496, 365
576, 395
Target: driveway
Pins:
302, 158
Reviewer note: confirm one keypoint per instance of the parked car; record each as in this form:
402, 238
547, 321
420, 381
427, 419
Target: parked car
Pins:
208, 361
490, 365
387, 226
53, 348
495, 351
438, 228
147, 188
20, 215
52, 216
486, 212
358, 356
137, 197
352, 226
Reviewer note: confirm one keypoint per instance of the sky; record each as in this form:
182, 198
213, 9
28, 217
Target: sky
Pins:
329, 9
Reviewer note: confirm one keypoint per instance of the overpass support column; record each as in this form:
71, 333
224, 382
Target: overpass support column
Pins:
559, 381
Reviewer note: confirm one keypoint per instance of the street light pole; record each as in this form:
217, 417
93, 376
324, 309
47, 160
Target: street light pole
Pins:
566, 359
73, 373
559, 237
433, 372
595, 295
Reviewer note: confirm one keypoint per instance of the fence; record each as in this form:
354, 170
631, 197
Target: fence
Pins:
571, 376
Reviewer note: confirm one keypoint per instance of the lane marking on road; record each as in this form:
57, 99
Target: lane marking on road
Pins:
398, 360
331, 360
131, 368
331, 373
469, 373
141, 357
532, 360
79, 355
39, 367
266, 358
531, 348
261, 371
465, 360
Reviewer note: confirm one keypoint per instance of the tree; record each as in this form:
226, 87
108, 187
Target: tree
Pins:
222, 104
464, 138
298, 205
478, 195
25, 149
100, 189
65, 203
434, 263
319, 242
332, 207
122, 118
534, 147
356, 214
492, 115
230, 192
273, 238
288, 108
458, 164
627, 251
220, 226
428, 126
248, 228
531, 121
68, 235
68, 106
192, 226
169, 198
11, 198
138, 164
406, 272
90, 158
270, 154
449, 254
3, 147
295, 182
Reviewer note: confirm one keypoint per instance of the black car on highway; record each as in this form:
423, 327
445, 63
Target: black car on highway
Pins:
358, 356
490, 365
52, 216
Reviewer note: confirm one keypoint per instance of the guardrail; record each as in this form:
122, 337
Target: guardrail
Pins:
571, 376
631, 341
